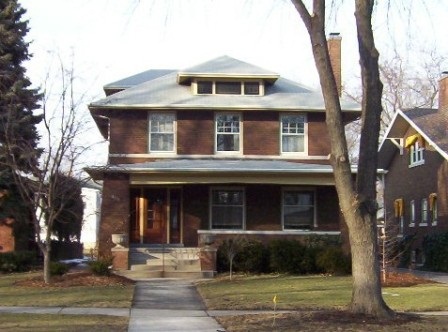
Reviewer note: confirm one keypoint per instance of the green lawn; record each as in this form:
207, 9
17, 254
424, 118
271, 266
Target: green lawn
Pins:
83, 296
38, 322
311, 292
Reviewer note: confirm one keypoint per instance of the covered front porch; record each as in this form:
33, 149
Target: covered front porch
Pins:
179, 211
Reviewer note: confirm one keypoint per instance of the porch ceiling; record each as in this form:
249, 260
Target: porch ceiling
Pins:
194, 171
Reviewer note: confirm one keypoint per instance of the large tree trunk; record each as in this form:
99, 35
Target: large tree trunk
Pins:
357, 200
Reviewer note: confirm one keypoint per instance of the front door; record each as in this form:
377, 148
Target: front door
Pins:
156, 217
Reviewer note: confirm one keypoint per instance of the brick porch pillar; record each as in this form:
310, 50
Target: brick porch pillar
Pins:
114, 212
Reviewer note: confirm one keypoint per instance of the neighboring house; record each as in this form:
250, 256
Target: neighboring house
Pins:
220, 149
91, 196
414, 155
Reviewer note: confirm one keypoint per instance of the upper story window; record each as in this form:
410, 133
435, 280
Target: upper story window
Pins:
250, 88
162, 132
415, 145
416, 154
228, 88
205, 87
228, 130
293, 133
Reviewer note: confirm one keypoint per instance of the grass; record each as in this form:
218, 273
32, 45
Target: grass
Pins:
312, 292
39, 322
81, 296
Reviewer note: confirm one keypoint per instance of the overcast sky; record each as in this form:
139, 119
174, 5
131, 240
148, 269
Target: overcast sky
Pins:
111, 39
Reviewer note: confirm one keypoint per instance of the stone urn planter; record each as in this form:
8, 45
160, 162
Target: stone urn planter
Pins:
208, 239
120, 240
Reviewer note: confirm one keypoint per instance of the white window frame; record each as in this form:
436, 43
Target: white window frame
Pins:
240, 134
174, 133
424, 209
305, 134
416, 155
261, 90
211, 205
299, 189
412, 214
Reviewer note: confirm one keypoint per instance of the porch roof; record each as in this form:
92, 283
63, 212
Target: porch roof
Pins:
183, 171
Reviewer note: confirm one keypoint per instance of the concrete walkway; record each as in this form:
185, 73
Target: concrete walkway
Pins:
169, 305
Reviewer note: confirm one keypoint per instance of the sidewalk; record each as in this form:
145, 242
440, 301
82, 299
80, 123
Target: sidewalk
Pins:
169, 305
434, 276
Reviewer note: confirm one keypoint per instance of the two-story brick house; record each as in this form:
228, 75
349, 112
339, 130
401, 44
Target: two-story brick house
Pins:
414, 154
222, 148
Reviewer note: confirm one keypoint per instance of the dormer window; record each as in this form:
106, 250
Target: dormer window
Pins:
205, 87
249, 88
228, 88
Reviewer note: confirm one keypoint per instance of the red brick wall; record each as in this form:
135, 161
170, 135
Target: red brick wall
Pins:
195, 132
195, 212
114, 210
318, 140
261, 133
129, 132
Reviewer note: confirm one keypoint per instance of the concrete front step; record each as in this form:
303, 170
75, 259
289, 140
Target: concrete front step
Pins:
142, 275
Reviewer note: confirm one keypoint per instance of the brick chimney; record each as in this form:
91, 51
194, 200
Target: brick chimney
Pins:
443, 92
334, 49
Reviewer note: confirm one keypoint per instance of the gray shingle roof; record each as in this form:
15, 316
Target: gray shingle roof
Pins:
165, 92
433, 123
139, 78
429, 122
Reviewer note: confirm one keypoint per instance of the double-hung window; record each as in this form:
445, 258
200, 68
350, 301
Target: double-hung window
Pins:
293, 133
227, 208
162, 132
228, 130
424, 212
412, 220
298, 209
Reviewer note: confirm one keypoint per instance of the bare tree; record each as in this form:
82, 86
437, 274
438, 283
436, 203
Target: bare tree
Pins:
409, 84
357, 198
38, 188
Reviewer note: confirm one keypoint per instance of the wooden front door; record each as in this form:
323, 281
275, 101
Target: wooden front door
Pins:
151, 217
156, 215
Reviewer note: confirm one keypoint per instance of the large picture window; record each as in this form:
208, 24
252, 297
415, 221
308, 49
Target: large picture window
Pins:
227, 133
161, 132
227, 208
298, 209
293, 133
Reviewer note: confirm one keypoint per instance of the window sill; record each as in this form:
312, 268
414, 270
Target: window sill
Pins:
434, 223
412, 225
423, 224
417, 163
